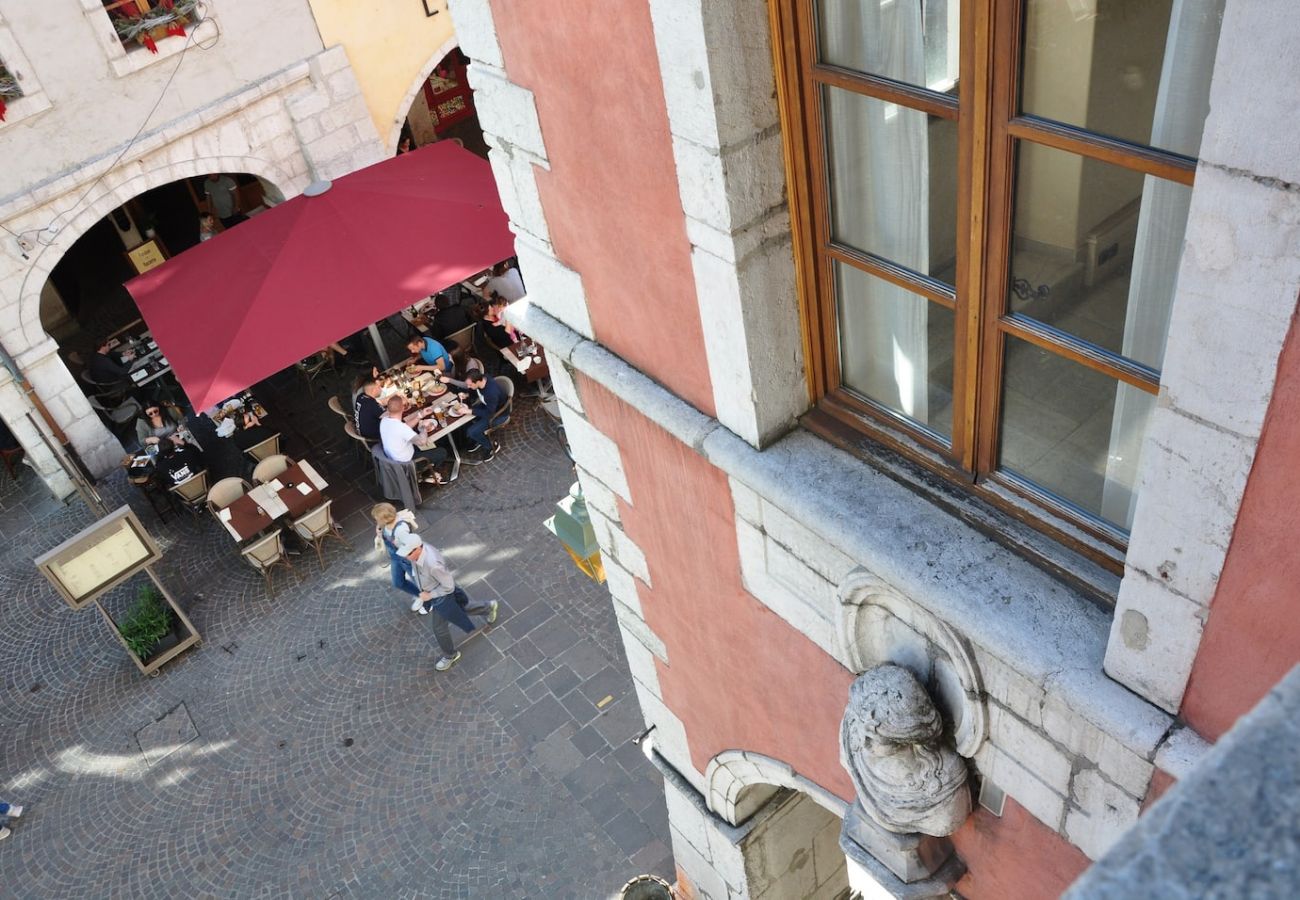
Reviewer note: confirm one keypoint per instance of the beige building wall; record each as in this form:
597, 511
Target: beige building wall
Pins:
392, 48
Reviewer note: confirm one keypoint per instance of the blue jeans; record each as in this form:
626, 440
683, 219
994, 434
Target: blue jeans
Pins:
455, 608
475, 432
400, 569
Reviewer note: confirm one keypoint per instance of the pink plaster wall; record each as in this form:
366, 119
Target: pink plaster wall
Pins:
611, 198
1252, 637
740, 677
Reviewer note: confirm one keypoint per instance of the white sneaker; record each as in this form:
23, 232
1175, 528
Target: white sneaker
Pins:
5, 832
447, 662
15, 810
417, 605
492, 613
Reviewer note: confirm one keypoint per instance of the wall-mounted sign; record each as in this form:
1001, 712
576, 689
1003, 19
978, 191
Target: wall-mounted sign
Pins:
146, 256
99, 558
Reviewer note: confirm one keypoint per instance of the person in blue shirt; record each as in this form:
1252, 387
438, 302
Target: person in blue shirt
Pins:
428, 355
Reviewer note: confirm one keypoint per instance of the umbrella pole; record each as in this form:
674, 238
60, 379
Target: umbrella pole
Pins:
380, 351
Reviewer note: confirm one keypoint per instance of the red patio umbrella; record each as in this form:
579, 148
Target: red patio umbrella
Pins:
281, 286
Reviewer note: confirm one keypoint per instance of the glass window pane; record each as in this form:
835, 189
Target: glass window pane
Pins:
1139, 71
1072, 431
1095, 250
896, 348
914, 42
893, 174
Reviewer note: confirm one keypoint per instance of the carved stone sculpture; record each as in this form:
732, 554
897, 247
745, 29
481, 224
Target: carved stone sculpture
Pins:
891, 742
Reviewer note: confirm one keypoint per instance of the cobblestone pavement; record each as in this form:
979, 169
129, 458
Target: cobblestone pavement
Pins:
308, 748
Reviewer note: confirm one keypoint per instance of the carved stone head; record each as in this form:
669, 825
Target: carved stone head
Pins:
891, 742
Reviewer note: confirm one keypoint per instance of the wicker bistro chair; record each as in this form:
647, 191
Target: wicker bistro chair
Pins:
264, 449
314, 367
265, 554
225, 492
317, 525
364, 444
271, 468
193, 491
336, 407
464, 344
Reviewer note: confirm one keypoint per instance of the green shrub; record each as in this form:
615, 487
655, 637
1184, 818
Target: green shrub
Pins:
147, 622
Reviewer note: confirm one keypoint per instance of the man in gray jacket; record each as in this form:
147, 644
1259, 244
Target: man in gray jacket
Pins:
440, 594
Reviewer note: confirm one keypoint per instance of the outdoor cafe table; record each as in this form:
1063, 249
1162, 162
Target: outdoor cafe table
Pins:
436, 408
261, 507
418, 314
528, 358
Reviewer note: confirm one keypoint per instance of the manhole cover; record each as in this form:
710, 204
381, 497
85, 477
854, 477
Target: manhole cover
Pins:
166, 735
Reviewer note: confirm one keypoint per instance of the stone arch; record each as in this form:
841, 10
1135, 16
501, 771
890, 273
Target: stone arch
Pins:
738, 782
404, 106
116, 187
877, 624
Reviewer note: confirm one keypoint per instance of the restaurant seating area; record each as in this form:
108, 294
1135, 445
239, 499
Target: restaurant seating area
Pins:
277, 497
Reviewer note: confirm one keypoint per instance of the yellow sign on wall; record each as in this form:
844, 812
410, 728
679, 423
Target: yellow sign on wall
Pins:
146, 256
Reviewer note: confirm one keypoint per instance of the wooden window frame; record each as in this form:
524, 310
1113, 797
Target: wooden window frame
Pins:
989, 129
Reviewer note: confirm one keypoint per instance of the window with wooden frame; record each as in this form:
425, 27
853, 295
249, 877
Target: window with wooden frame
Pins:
990, 199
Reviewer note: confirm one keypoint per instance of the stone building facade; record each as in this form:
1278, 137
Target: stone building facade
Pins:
251, 89
649, 161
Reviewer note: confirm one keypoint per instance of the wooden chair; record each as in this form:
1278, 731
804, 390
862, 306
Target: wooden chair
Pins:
267, 448
317, 525
265, 554
502, 416
193, 492
271, 468
225, 492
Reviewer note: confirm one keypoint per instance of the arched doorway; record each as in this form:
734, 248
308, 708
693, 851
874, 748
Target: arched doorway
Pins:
440, 106
48, 329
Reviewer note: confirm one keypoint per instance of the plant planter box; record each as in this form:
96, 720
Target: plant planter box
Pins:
182, 636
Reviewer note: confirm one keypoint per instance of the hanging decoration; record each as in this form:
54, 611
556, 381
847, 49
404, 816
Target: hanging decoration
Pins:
166, 18
10, 89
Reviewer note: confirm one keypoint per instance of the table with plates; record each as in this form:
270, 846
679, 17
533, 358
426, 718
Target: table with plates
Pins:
433, 408
420, 314
291, 494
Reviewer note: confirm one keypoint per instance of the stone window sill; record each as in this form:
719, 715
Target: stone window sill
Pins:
24, 107
137, 58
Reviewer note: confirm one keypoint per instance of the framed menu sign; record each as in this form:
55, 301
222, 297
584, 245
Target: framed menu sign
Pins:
99, 558
146, 256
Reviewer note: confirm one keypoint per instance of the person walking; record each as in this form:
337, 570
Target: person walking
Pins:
391, 527
439, 593
8, 811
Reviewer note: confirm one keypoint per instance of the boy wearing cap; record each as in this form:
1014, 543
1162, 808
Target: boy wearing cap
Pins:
438, 592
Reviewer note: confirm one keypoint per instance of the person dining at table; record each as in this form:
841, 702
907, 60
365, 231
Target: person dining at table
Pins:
484, 397
427, 355
367, 412
499, 332
154, 425
399, 440
250, 431
177, 460
105, 369
506, 281
449, 317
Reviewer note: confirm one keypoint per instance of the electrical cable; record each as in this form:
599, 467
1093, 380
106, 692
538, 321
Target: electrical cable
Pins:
191, 40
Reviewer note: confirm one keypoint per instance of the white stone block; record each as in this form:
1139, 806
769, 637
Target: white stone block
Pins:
698, 869
1153, 640
476, 30
552, 286
830, 563
1190, 487
747, 503
731, 188
624, 550
1030, 749
622, 587
1117, 762
809, 617
507, 110
598, 454
1235, 300
308, 103
563, 385
1044, 804
1104, 813
1009, 688
597, 494
686, 816
669, 736
1181, 752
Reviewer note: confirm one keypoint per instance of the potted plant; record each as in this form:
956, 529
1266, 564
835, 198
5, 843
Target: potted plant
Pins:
161, 19
9, 89
149, 627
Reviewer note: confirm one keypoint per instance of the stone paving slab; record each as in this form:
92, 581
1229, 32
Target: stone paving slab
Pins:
327, 757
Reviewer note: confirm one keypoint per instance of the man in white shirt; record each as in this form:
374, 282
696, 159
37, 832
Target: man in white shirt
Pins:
440, 593
399, 439
505, 281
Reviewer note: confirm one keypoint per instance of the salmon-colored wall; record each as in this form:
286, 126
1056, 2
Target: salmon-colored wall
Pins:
740, 677
1252, 637
611, 198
